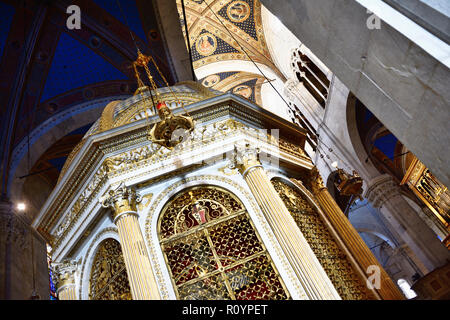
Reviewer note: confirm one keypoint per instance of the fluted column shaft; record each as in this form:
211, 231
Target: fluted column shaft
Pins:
137, 261
313, 278
142, 282
67, 292
355, 244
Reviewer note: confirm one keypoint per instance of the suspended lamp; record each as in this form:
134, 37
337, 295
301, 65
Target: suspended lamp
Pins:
171, 129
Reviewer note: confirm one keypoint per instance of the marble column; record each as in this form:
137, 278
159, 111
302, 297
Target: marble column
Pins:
64, 277
385, 195
355, 244
310, 273
123, 201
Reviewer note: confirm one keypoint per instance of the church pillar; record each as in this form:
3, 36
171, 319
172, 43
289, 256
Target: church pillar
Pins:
23, 257
428, 252
355, 244
313, 278
65, 279
123, 201
6, 216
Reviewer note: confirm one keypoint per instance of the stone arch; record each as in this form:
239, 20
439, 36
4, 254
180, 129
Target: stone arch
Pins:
354, 136
49, 132
378, 235
280, 41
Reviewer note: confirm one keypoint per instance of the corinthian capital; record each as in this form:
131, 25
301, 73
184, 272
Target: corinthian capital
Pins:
63, 272
123, 199
246, 157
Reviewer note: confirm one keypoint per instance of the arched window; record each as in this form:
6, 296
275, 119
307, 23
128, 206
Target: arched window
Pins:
212, 249
406, 289
109, 279
312, 77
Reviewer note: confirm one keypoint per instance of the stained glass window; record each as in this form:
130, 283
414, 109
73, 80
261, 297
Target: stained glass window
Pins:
52, 286
213, 251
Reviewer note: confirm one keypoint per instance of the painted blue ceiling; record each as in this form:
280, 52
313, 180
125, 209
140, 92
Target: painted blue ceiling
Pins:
75, 65
387, 144
6, 17
130, 12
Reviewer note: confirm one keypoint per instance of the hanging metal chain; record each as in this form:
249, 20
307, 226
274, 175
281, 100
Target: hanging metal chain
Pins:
170, 88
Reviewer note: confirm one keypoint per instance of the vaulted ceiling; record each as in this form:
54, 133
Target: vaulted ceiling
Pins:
47, 68
221, 31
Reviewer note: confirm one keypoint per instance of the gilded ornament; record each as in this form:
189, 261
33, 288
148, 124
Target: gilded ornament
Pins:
209, 228
109, 279
330, 255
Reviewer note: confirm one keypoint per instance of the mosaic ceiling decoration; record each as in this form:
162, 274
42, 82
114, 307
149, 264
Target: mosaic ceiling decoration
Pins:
210, 24
245, 84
